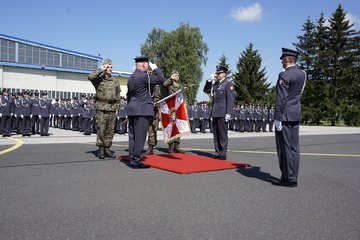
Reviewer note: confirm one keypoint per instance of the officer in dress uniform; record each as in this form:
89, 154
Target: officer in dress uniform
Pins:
223, 94
35, 122
26, 114
107, 104
87, 115
207, 117
44, 114
122, 117
194, 116
75, 113
265, 118
5, 113
242, 118
289, 87
17, 113
140, 108
203, 119
271, 113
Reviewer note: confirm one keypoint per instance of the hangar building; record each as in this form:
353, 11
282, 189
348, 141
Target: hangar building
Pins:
37, 67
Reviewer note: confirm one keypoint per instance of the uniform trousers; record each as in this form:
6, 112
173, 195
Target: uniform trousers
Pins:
105, 125
5, 125
138, 127
26, 126
44, 125
86, 125
288, 149
220, 128
153, 127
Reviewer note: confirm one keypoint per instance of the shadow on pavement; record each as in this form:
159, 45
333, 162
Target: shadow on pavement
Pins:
255, 172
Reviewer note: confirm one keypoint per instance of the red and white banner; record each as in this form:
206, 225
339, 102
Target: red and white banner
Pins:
173, 114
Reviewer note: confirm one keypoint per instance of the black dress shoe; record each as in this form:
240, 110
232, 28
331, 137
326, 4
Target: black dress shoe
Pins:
135, 164
285, 184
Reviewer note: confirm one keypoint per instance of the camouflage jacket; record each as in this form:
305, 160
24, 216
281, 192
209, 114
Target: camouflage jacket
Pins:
171, 87
107, 91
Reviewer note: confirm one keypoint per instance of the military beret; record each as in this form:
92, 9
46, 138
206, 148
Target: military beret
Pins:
4, 90
289, 52
26, 92
221, 69
141, 59
44, 93
36, 93
75, 98
107, 61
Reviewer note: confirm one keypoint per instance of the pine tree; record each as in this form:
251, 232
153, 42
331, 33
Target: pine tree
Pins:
250, 80
306, 48
342, 65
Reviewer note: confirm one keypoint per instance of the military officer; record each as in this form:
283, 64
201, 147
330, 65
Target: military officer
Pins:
172, 85
44, 114
107, 103
223, 94
75, 114
289, 87
26, 114
265, 118
140, 107
87, 115
271, 118
122, 126
35, 121
6, 108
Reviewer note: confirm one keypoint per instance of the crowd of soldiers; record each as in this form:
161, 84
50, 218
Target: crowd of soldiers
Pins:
29, 113
245, 118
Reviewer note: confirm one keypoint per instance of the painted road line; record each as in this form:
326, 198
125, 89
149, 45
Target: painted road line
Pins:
260, 152
18, 144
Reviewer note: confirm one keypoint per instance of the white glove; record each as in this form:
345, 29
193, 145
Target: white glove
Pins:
15, 115
278, 125
191, 119
65, 116
0, 114
31, 115
71, 115
39, 116
152, 66
212, 76
227, 117
22, 116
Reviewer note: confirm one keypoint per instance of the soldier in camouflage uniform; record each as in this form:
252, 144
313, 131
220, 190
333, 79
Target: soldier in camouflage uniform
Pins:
172, 85
154, 125
107, 103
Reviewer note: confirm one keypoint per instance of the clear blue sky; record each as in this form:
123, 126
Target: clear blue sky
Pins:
116, 29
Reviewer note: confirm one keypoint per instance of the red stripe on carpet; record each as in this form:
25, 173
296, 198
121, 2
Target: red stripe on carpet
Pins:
186, 163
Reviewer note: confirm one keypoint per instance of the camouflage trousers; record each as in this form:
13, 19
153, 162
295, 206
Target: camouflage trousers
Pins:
105, 125
153, 127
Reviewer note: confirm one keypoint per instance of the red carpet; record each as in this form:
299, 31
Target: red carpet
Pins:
186, 163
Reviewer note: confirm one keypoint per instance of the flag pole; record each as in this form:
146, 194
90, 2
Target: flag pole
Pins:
165, 98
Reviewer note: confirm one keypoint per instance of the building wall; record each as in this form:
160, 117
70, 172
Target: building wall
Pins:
57, 81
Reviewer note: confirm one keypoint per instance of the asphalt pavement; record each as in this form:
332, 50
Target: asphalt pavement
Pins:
55, 188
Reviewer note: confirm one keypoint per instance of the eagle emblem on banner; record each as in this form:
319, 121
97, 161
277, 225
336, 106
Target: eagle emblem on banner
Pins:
174, 119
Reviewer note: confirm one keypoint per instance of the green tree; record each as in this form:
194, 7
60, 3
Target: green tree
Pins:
342, 64
250, 80
306, 48
183, 50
